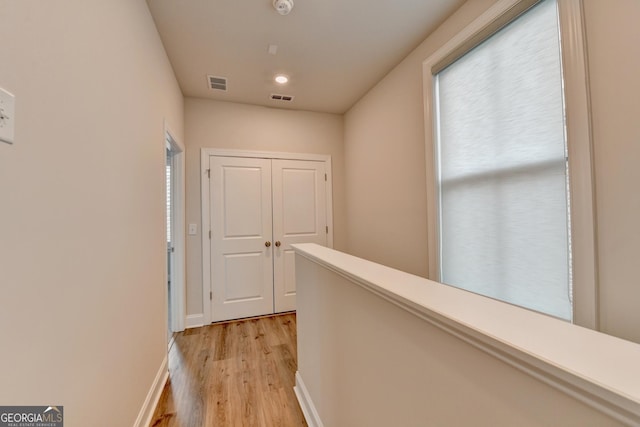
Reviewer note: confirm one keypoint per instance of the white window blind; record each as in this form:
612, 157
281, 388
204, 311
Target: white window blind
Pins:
502, 167
168, 174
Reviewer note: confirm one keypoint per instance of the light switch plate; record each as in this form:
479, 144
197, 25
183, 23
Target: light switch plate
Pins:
7, 116
193, 229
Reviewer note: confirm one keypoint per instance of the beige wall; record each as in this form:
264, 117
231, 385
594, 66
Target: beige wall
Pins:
384, 149
82, 253
215, 124
614, 66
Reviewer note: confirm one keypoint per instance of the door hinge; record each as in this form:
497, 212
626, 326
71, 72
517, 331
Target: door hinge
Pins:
327, 228
325, 176
209, 173
210, 295
209, 234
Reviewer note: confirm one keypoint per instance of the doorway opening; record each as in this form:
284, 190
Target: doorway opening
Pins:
174, 181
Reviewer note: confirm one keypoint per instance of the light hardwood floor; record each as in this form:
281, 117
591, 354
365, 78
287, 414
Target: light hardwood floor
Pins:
232, 374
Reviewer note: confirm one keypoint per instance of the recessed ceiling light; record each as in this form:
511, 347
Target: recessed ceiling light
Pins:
281, 78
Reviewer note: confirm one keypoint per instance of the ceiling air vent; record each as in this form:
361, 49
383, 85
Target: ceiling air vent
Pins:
217, 83
286, 98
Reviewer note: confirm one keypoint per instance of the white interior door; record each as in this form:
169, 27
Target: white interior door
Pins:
241, 231
299, 216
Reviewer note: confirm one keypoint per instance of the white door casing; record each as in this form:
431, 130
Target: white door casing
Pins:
241, 250
299, 216
304, 185
176, 300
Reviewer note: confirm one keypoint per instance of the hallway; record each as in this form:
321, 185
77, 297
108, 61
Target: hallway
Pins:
238, 373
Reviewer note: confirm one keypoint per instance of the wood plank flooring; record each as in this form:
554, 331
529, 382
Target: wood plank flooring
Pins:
232, 374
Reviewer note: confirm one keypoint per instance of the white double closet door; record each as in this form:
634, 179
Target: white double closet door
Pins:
259, 208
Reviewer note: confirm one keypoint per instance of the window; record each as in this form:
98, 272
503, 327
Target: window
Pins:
169, 191
501, 191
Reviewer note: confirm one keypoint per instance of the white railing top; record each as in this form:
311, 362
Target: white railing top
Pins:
598, 369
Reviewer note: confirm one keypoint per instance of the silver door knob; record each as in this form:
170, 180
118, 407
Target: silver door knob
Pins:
267, 243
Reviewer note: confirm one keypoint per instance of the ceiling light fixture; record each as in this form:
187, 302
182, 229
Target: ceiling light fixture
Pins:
283, 7
281, 79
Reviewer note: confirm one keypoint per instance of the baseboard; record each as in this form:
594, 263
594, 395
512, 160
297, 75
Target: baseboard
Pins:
195, 320
150, 403
306, 404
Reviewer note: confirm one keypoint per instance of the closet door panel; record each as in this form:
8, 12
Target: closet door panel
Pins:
241, 237
299, 216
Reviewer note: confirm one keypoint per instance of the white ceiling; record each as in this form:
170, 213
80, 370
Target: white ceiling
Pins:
334, 51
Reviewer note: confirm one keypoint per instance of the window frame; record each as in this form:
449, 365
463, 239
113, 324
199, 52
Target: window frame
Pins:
578, 134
